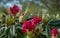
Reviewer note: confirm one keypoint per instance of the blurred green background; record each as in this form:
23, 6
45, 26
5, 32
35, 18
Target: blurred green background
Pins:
34, 6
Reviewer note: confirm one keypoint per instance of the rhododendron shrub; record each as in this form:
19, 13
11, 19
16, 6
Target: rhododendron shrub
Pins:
25, 24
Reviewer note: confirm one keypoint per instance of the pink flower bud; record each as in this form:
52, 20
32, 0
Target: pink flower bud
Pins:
54, 32
36, 20
27, 25
14, 10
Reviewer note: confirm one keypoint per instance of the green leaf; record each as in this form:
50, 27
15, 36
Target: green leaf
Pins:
7, 33
19, 33
12, 30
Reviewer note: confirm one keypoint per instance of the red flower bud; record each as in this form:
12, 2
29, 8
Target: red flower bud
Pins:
36, 20
14, 10
27, 25
54, 32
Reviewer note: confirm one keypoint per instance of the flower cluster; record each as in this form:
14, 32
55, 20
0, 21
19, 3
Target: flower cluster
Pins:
30, 25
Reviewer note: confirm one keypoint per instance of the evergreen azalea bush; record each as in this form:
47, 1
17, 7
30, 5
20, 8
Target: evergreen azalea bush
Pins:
27, 25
